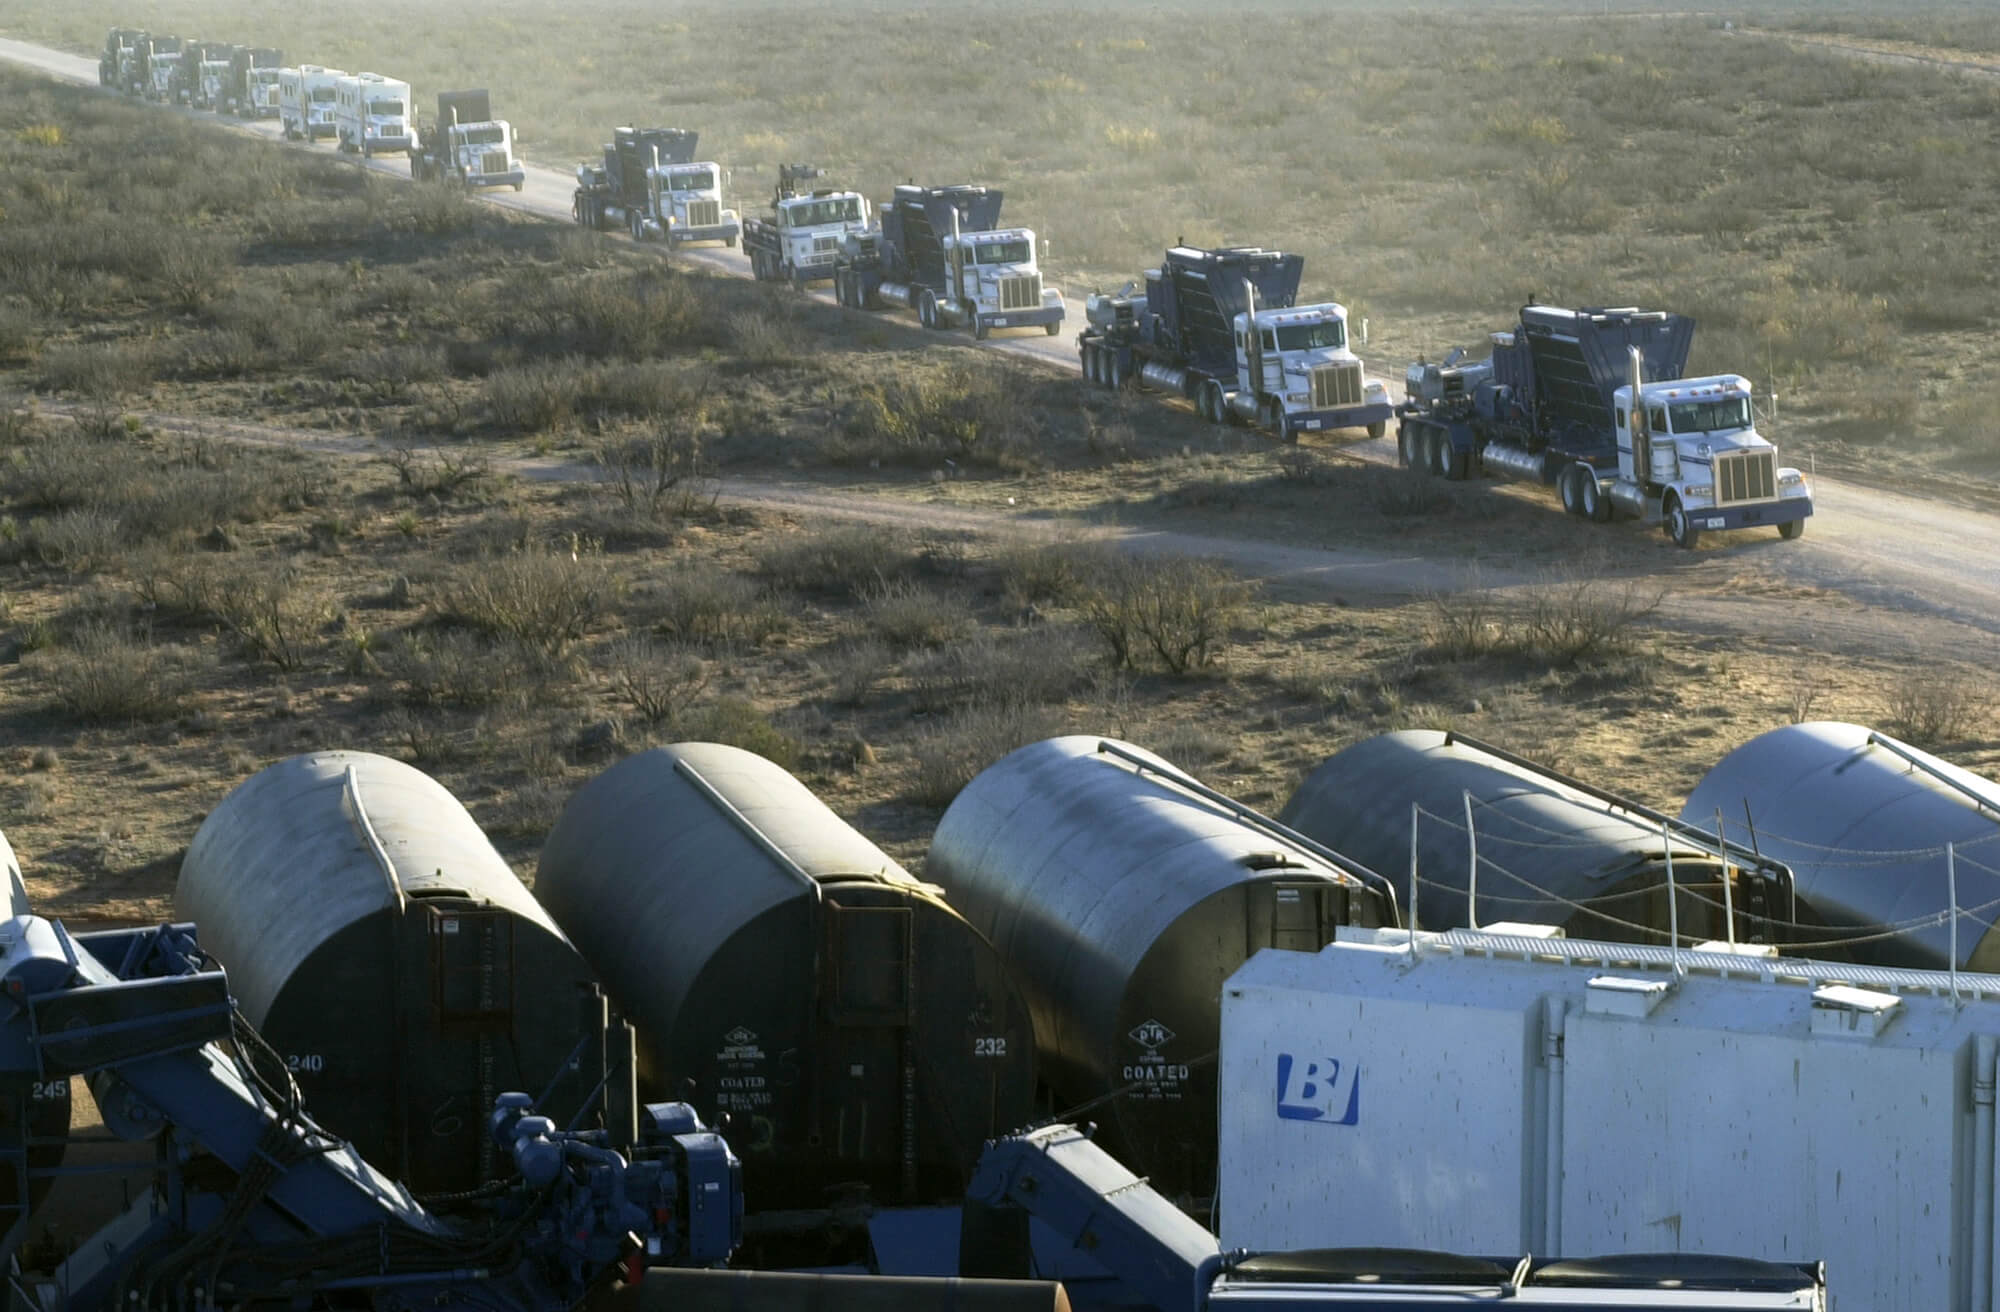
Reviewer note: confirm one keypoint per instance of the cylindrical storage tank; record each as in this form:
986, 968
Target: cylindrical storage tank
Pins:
390, 956
783, 970
1122, 900
1864, 822
1549, 853
34, 1113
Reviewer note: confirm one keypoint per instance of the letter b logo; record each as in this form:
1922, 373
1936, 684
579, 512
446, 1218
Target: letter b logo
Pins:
1322, 1089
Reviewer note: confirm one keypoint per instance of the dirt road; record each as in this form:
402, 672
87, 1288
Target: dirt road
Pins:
1877, 571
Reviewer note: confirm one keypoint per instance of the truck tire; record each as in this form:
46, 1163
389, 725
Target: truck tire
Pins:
1114, 371
1591, 500
1569, 487
636, 224
1272, 413
1458, 465
1792, 530
1405, 445
981, 330
1378, 428
927, 310
1678, 524
1052, 328
730, 242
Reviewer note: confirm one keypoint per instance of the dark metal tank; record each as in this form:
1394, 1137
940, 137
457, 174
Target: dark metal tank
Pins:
1864, 820
782, 969
388, 953
1123, 893
1552, 850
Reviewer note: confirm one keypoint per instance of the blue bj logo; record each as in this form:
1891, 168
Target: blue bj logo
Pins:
1322, 1089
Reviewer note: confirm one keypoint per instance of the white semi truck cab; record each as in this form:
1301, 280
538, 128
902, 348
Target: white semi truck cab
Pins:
212, 83
1298, 374
372, 115
806, 233
306, 101
1694, 443
483, 154
998, 283
687, 199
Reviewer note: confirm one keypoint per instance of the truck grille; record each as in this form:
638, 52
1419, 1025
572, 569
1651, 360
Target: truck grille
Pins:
1021, 291
1336, 385
1747, 476
493, 162
704, 213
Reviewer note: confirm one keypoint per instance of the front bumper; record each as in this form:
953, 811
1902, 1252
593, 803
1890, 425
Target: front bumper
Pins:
1350, 416
511, 178
1757, 514
387, 145
314, 131
681, 233
1039, 318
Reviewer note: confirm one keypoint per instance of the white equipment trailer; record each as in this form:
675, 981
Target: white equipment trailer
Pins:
371, 115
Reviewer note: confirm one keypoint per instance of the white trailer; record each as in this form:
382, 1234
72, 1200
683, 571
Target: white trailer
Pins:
1490, 1091
371, 115
306, 101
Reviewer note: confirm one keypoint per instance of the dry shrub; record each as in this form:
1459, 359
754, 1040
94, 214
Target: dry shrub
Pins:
104, 674
1036, 666
662, 471
1175, 610
535, 396
81, 541
965, 412
464, 670
1930, 707
277, 612
906, 614
855, 670
736, 723
661, 680
1049, 573
704, 603
1466, 624
951, 752
437, 471
847, 560
1579, 617
547, 599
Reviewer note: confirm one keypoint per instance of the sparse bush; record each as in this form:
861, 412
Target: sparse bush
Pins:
855, 671
705, 603
547, 599
1188, 745
906, 614
105, 675
736, 723
440, 211
661, 680
950, 753
437, 471
1175, 609
275, 611
1036, 666
1052, 573
847, 560
466, 670
1467, 623
662, 470
81, 541
535, 396
21, 332
926, 414
1931, 707
1581, 616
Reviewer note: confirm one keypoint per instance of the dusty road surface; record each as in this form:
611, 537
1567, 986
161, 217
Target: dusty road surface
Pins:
1877, 570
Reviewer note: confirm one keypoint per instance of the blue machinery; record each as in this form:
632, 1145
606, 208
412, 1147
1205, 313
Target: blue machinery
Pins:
251, 1203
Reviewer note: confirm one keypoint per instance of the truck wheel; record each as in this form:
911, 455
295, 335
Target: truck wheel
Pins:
1678, 524
1590, 497
927, 310
730, 242
519, 185
1405, 445
1458, 465
1792, 531
981, 330
1570, 487
1272, 414
637, 226
1052, 328
1378, 428
1114, 371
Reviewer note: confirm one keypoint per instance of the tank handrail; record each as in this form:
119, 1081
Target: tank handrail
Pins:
1258, 820
748, 827
1715, 844
351, 785
1895, 748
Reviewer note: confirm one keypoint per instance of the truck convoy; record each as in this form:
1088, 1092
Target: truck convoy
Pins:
1593, 401
252, 87
371, 115
1189, 332
651, 185
305, 101
802, 236
467, 145
941, 252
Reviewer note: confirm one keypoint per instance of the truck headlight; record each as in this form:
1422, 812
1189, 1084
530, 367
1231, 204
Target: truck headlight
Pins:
1296, 398
1699, 491
1791, 478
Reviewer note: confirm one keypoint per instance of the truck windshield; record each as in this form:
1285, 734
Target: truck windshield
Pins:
386, 108
1709, 416
810, 213
1002, 252
266, 75
701, 180
1330, 334
322, 95
483, 136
